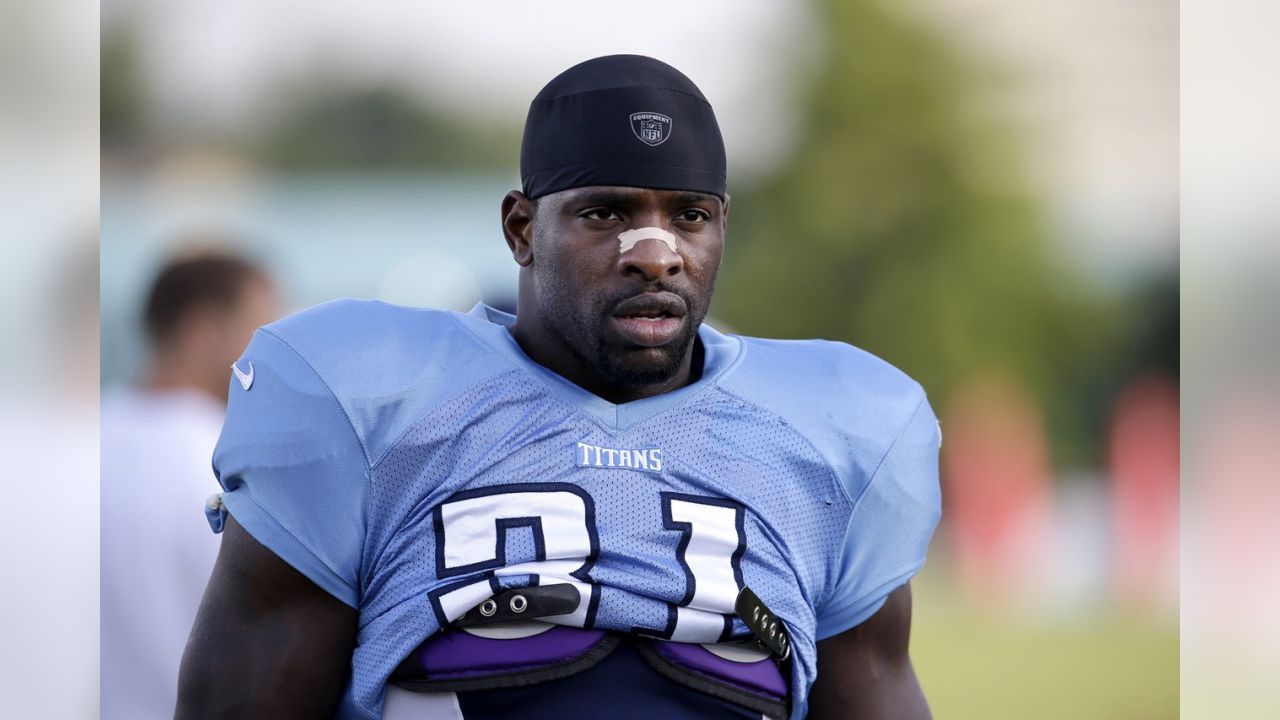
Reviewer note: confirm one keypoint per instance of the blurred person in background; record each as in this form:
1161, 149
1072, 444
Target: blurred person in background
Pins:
156, 441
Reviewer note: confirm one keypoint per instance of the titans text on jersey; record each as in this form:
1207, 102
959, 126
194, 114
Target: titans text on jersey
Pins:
414, 463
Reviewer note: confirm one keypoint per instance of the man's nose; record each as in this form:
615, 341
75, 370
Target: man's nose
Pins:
651, 259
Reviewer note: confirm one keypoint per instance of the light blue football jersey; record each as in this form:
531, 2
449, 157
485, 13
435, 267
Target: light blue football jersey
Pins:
414, 462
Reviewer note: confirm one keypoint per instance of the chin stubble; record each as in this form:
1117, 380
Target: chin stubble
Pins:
615, 364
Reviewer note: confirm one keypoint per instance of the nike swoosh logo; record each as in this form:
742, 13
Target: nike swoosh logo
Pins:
246, 379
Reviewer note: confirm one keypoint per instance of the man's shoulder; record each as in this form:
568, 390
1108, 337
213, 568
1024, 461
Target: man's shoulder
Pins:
384, 365
350, 328
839, 396
363, 345
825, 369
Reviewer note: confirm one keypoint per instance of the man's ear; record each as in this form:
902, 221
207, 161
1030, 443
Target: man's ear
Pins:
724, 229
517, 226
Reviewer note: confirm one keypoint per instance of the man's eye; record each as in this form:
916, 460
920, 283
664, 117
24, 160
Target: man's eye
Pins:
693, 215
602, 214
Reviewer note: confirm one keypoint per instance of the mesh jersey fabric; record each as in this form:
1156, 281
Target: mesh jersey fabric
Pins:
413, 462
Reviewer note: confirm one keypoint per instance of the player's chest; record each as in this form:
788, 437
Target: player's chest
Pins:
717, 454
512, 488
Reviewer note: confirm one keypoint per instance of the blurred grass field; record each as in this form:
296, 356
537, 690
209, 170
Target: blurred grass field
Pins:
1109, 666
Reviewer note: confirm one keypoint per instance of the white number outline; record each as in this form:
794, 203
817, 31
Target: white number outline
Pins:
470, 586
683, 620
683, 609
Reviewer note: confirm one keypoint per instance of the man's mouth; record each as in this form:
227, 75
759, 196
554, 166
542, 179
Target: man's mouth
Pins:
650, 319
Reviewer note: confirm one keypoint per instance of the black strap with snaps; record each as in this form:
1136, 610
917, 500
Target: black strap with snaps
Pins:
527, 603
770, 631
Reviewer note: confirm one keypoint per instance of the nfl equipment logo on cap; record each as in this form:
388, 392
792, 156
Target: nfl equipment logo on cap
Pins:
652, 128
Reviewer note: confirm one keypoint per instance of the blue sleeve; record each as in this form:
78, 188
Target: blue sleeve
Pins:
890, 527
293, 470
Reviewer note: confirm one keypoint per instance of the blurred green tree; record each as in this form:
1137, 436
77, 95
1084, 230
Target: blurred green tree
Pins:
901, 224
325, 126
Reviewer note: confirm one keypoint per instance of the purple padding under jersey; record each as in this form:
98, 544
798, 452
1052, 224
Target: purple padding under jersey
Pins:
761, 677
457, 654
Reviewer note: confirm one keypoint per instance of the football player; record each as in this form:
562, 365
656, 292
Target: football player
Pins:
597, 507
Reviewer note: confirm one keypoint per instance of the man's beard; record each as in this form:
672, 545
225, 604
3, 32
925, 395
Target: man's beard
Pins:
644, 366
626, 366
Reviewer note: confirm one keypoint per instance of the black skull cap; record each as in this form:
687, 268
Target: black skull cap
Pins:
625, 120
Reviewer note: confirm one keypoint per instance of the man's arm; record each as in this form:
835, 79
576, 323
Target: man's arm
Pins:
865, 672
267, 642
